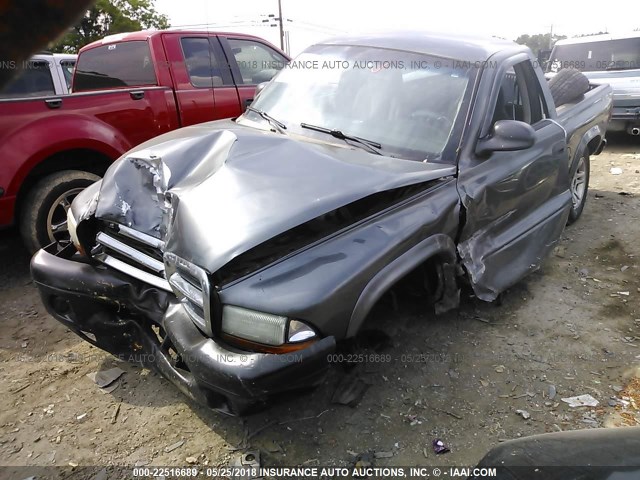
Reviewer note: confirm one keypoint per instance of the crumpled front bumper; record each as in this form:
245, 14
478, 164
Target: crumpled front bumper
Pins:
149, 327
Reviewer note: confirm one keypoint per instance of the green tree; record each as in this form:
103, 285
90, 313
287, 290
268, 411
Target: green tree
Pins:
107, 17
539, 41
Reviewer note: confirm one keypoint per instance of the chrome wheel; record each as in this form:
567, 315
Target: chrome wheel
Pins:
579, 183
57, 228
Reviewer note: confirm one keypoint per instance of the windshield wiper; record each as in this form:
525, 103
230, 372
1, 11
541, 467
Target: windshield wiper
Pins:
276, 123
373, 147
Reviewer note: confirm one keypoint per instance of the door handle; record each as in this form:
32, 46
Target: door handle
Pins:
53, 103
558, 149
137, 95
248, 102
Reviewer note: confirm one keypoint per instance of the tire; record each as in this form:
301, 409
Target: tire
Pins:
45, 208
579, 186
567, 85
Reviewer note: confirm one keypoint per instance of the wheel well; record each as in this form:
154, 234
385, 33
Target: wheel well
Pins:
594, 143
79, 159
427, 280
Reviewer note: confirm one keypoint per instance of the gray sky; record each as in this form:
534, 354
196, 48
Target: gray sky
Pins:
313, 21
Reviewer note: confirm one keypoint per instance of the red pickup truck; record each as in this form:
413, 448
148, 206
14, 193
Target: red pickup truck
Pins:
127, 88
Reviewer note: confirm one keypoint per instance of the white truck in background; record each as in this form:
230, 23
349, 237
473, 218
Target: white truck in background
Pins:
43, 74
612, 59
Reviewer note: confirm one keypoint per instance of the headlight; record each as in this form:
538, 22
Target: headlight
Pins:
82, 208
259, 328
191, 285
72, 225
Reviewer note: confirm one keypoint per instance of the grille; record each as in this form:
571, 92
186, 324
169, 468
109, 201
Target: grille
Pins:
133, 253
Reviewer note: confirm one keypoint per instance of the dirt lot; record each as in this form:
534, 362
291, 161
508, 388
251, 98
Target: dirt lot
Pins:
573, 327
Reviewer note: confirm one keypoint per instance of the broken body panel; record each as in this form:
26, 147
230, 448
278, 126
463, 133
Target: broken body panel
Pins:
294, 233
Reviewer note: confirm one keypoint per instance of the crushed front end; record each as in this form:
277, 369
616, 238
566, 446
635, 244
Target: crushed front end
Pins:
230, 273
148, 325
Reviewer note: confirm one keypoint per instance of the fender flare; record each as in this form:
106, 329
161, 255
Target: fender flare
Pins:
439, 244
589, 135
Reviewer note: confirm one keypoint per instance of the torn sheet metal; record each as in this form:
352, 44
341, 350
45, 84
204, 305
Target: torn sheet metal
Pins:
499, 255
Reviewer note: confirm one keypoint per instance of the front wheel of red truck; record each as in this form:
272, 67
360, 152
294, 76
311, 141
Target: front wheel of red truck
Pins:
43, 217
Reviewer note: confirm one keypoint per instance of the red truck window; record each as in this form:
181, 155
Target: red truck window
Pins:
257, 62
34, 81
126, 64
203, 65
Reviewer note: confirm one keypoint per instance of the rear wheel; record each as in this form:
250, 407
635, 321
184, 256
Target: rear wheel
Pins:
579, 186
43, 217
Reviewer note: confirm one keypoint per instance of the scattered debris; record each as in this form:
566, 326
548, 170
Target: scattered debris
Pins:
615, 171
524, 414
274, 447
383, 454
560, 251
19, 389
191, 460
174, 446
552, 392
116, 411
104, 378
500, 368
585, 400
248, 460
439, 447
81, 417
350, 391
447, 412
364, 460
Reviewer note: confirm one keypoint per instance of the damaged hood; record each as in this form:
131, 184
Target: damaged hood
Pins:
215, 190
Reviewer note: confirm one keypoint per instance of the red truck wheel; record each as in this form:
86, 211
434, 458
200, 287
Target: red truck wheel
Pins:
43, 218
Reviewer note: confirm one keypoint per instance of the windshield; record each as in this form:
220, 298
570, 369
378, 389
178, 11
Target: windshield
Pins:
407, 103
623, 54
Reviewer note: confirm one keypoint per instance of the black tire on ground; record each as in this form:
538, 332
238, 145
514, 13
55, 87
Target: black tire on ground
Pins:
579, 173
45, 205
567, 85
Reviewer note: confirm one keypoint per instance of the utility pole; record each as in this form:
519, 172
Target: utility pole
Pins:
281, 21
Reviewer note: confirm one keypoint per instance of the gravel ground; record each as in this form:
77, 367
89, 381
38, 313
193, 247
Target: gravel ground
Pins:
473, 378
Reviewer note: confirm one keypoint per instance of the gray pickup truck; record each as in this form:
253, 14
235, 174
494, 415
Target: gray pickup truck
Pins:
231, 256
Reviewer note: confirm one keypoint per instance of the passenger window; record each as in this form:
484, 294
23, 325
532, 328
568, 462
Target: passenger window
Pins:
520, 96
34, 81
257, 62
202, 63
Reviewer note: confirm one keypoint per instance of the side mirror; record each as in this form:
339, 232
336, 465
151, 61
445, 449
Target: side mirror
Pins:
507, 136
259, 88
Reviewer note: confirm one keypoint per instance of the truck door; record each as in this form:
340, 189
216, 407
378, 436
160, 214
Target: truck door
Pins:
252, 62
202, 79
517, 202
